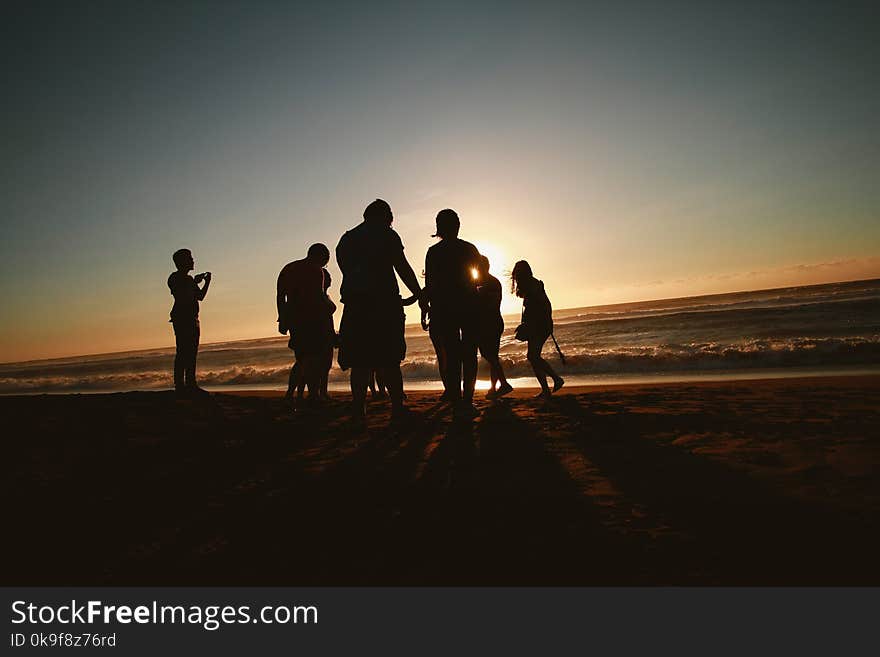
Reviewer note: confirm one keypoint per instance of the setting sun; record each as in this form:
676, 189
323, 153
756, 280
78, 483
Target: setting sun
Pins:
497, 261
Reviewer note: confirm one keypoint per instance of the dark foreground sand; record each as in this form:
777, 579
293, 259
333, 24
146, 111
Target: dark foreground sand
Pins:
747, 482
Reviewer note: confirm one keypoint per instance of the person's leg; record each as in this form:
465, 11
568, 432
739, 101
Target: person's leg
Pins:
496, 352
301, 380
354, 334
291, 380
504, 386
326, 366
180, 357
452, 345
448, 339
444, 367
299, 373
360, 377
312, 375
493, 370
299, 344
192, 356
489, 348
381, 386
540, 375
442, 363
325, 381
535, 360
393, 379
558, 381
545, 367
390, 342
312, 348
468, 362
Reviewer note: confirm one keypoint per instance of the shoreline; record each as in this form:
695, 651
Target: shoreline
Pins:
525, 383
578, 387
527, 393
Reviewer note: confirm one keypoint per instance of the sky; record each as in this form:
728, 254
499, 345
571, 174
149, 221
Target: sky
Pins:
628, 151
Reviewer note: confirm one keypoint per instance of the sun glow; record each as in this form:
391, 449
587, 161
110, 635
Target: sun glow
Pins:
498, 263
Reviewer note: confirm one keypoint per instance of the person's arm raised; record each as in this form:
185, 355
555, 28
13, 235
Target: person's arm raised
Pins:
203, 291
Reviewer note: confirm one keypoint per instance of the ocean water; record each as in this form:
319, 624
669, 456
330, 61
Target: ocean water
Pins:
828, 328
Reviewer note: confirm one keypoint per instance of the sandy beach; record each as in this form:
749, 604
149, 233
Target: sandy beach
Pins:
740, 483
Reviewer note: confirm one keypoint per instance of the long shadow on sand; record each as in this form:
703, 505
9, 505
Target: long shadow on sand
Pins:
492, 506
736, 529
140, 489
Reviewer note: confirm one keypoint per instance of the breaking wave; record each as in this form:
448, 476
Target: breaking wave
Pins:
651, 359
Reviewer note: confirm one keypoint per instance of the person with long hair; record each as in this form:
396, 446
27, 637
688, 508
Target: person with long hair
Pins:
537, 324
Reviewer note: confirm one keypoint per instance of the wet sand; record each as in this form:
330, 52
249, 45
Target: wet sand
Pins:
741, 482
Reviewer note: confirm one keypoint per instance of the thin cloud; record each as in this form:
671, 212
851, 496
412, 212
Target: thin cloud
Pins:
864, 264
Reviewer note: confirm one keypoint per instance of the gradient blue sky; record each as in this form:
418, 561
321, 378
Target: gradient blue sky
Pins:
627, 150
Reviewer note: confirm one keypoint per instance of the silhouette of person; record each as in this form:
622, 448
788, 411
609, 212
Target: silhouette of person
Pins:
440, 351
302, 312
490, 326
537, 323
185, 319
378, 389
450, 299
327, 359
372, 327
376, 384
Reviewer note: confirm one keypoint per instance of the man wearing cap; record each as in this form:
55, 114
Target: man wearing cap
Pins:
449, 298
372, 326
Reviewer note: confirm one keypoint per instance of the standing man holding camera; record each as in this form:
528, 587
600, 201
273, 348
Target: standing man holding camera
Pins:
185, 319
